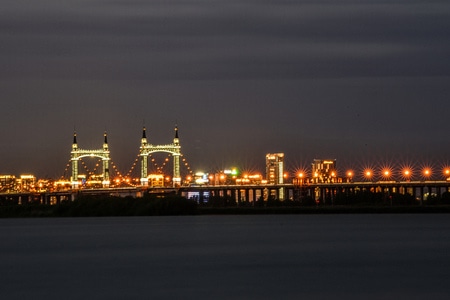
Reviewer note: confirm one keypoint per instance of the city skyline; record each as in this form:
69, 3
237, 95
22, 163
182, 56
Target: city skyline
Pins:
356, 81
161, 161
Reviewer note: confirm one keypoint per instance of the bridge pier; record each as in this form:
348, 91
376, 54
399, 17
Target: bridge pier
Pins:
76, 154
174, 149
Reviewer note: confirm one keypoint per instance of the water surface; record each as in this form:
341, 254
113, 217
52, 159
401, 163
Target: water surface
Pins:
222, 257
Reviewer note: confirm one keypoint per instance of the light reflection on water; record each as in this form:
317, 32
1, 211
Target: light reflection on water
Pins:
223, 257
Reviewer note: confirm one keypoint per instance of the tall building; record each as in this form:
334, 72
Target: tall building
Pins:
7, 183
324, 170
275, 168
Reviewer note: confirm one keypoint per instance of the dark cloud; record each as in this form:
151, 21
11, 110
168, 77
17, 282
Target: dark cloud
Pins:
241, 78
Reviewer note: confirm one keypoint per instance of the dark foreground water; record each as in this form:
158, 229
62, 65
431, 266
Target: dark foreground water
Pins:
227, 257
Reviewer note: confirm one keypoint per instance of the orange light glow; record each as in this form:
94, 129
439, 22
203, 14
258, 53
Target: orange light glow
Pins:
407, 173
368, 173
427, 172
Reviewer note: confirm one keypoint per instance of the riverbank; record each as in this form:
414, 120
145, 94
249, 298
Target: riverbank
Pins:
347, 209
174, 207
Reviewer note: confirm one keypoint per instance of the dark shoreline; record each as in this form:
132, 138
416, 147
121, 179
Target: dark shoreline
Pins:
67, 210
325, 210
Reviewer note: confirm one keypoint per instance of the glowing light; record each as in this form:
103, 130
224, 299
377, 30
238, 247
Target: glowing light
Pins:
447, 172
386, 172
368, 173
301, 175
350, 173
427, 172
407, 173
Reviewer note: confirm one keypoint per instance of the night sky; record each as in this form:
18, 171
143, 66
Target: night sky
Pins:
366, 82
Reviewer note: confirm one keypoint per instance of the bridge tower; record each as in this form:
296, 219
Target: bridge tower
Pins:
146, 149
76, 154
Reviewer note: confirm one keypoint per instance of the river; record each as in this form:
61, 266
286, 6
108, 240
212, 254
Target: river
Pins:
367, 256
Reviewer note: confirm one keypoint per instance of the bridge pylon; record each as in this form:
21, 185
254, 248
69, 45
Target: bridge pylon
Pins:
146, 149
76, 154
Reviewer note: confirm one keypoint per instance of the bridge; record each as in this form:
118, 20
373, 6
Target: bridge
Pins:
250, 193
320, 192
145, 150
239, 190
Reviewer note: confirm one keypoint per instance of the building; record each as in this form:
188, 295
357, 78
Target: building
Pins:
224, 177
275, 168
7, 183
155, 180
324, 170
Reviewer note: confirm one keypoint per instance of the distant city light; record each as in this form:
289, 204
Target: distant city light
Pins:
155, 175
447, 172
427, 172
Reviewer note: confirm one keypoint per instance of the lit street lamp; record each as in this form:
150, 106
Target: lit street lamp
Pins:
447, 173
300, 176
386, 174
368, 174
349, 175
407, 174
427, 173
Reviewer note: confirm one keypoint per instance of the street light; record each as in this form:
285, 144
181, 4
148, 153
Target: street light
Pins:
426, 173
350, 175
333, 176
368, 174
300, 176
447, 173
407, 174
386, 174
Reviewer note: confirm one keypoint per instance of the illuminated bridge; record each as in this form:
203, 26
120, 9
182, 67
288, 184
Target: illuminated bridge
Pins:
145, 152
321, 192
247, 189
